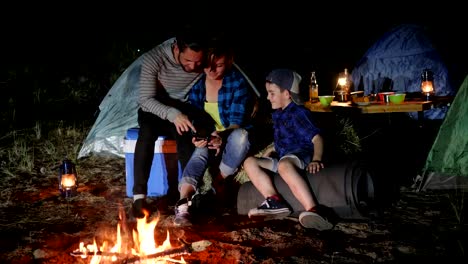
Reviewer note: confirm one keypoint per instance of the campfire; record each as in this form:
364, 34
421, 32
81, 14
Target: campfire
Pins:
142, 249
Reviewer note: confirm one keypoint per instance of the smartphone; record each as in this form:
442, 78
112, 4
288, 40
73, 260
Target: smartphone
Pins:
203, 133
198, 137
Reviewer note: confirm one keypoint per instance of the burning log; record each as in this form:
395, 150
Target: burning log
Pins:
186, 248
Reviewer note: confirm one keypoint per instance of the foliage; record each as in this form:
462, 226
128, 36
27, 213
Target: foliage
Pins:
37, 151
349, 141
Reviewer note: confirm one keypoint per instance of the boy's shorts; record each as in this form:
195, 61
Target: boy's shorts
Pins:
300, 159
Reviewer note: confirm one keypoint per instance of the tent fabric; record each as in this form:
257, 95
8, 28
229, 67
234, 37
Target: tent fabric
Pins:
118, 113
397, 60
447, 162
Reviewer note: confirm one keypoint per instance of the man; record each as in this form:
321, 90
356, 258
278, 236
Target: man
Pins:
168, 72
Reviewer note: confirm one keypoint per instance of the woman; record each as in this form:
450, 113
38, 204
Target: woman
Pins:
223, 94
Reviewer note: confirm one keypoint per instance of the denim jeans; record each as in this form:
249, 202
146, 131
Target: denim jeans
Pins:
151, 127
233, 154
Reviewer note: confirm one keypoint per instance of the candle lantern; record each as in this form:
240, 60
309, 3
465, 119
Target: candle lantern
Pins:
343, 86
67, 179
427, 84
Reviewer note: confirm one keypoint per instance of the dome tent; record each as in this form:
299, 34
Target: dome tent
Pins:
396, 61
447, 162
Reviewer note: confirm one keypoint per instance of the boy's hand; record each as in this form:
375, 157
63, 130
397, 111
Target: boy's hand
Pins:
315, 166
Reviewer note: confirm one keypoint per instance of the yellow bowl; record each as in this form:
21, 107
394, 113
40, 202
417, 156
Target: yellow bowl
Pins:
326, 100
397, 98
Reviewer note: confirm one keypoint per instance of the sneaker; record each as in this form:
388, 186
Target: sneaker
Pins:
314, 220
182, 214
203, 204
140, 208
270, 209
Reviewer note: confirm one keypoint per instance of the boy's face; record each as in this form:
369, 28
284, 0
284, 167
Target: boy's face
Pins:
278, 99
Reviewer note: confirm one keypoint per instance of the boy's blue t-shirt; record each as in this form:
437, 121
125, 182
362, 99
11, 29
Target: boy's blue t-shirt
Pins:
293, 130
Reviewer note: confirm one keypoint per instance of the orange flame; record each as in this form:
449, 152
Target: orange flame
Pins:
144, 245
427, 87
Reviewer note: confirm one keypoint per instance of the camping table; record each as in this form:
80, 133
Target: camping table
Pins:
374, 107
413, 105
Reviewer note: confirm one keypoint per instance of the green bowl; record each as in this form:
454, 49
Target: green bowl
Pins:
397, 98
326, 100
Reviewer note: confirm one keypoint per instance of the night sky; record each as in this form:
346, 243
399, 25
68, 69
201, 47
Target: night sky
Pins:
307, 36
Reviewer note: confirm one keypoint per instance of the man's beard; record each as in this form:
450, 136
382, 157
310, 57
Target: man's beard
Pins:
183, 66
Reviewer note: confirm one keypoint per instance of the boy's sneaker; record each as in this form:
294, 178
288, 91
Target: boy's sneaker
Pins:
314, 220
182, 214
270, 209
140, 208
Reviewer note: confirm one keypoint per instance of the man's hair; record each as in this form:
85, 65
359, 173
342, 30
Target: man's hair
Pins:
192, 37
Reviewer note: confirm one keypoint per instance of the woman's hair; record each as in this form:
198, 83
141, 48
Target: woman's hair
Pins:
219, 48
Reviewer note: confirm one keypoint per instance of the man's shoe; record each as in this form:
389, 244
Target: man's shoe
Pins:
314, 220
140, 208
182, 214
270, 209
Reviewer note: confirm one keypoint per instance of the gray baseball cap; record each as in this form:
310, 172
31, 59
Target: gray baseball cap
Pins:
289, 80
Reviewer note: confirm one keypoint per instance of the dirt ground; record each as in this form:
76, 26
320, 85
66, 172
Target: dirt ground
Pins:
37, 225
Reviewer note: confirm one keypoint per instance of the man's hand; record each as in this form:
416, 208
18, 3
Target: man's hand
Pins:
183, 124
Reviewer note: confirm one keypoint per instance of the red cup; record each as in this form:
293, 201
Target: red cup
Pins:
384, 95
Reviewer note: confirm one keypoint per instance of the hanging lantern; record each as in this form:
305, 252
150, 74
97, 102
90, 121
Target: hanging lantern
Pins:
67, 179
427, 84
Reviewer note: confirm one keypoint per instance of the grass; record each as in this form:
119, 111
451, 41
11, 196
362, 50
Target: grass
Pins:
36, 151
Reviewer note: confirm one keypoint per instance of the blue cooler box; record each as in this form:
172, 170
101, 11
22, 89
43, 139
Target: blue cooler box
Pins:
165, 164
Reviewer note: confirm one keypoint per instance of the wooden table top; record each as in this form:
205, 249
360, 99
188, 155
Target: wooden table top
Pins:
373, 107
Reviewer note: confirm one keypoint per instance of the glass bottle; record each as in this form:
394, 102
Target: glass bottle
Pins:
313, 88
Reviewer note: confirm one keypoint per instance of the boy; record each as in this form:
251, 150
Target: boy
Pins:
299, 147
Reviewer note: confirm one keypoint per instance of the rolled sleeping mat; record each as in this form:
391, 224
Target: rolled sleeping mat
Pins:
347, 188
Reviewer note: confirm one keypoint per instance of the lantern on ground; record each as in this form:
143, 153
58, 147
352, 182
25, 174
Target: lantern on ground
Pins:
67, 179
427, 84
